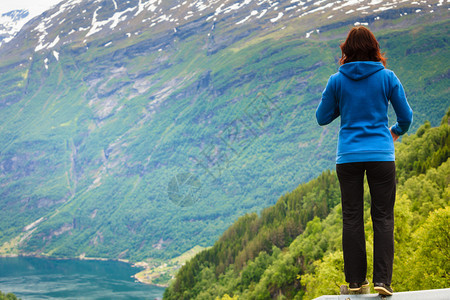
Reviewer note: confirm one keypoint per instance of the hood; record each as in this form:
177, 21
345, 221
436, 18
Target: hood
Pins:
358, 70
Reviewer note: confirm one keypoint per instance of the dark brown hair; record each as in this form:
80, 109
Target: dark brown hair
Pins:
361, 45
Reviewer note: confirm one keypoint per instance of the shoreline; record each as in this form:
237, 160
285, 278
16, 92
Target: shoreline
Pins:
81, 257
154, 284
148, 271
67, 258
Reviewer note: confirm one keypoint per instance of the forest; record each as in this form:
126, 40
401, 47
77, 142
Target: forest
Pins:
292, 250
9, 296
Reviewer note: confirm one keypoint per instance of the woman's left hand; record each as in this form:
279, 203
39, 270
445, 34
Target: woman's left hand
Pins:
394, 136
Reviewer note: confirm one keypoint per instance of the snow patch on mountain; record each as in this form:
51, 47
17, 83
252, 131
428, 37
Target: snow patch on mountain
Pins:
149, 5
273, 20
115, 4
115, 19
253, 13
53, 44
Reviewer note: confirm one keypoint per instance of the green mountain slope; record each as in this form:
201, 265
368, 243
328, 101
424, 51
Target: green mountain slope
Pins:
142, 141
292, 251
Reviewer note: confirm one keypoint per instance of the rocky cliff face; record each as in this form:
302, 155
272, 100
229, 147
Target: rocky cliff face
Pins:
146, 127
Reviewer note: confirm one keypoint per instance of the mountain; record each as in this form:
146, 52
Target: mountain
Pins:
10, 24
293, 249
13, 15
141, 129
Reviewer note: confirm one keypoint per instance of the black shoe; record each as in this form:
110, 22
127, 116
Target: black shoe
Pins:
356, 286
383, 289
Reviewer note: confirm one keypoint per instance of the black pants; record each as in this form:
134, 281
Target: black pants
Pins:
381, 179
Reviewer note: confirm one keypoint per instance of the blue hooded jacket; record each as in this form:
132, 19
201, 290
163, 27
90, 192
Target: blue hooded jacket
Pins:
360, 93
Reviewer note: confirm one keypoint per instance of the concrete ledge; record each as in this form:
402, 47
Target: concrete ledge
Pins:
441, 294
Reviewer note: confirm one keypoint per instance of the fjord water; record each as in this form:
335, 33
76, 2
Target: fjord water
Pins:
42, 278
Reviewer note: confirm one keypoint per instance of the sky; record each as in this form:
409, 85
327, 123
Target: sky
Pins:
35, 7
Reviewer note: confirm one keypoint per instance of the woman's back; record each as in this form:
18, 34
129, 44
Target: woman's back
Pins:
360, 93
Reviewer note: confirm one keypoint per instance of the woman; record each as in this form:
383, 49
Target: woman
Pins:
360, 93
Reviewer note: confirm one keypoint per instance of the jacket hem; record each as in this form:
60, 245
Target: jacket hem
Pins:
364, 156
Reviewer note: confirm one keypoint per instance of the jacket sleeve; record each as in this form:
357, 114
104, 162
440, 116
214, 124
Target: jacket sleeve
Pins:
401, 107
328, 108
